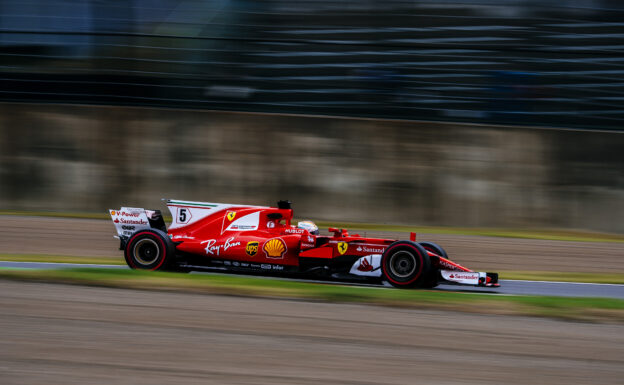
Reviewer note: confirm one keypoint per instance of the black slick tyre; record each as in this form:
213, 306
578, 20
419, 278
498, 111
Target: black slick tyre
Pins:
405, 264
434, 248
432, 280
150, 250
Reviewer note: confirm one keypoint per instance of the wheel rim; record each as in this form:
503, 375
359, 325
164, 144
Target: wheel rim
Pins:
402, 264
146, 251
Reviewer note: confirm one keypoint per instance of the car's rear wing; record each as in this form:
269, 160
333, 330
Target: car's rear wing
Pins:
128, 220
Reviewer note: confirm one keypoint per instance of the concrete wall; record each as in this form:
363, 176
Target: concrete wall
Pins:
87, 158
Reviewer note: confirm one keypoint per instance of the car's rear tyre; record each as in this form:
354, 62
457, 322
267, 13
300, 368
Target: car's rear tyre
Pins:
405, 264
150, 250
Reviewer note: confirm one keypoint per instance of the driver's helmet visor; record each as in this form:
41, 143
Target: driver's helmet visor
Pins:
308, 225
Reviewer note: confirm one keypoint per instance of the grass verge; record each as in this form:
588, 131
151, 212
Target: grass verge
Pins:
583, 309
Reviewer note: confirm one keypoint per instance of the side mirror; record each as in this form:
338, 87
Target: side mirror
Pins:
338, 232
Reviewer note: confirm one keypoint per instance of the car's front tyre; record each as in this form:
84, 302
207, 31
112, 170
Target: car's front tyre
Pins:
405, 264
150, 250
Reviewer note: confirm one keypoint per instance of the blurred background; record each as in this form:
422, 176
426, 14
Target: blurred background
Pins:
475, 113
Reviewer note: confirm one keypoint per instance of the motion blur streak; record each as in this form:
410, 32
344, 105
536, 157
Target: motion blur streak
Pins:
550, 62
94, 158
509, 62
469, 113
57, 334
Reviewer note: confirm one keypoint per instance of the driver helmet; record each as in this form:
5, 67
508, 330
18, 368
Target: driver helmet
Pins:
310, 226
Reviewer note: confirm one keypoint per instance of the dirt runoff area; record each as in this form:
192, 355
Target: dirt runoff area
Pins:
63, 334
89, 237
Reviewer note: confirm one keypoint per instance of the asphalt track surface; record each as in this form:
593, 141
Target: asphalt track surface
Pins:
65, 334
565, 289
68, 334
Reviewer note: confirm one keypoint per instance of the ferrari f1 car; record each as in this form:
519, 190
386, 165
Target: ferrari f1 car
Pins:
262, 239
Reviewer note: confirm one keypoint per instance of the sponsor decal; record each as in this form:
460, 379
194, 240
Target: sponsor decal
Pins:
267, 266
368, 266
294, 230
252, 248
365, 265
212, 248
126, 227
463, 276
241, 223
270, 224
307, 245
342, 247
130, 221
184, 236
227, 263
242, 227
135, 214
446, 265
310, 239
244, 264
372, 250
112, 212
274, 248
235, 264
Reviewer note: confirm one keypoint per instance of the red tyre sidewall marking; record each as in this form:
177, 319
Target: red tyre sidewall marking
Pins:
151, 235
420, 267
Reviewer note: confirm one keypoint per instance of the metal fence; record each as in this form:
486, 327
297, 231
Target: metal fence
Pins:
517, 61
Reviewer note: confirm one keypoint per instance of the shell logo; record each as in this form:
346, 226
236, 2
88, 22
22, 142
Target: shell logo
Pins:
274, 248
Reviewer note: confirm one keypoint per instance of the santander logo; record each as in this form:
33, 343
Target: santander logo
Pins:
365, 265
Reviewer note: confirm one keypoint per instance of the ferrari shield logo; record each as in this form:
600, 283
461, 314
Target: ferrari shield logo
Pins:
252, 248
342, 247
231, 215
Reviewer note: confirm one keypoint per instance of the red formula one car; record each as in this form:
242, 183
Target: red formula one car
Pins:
261, 239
